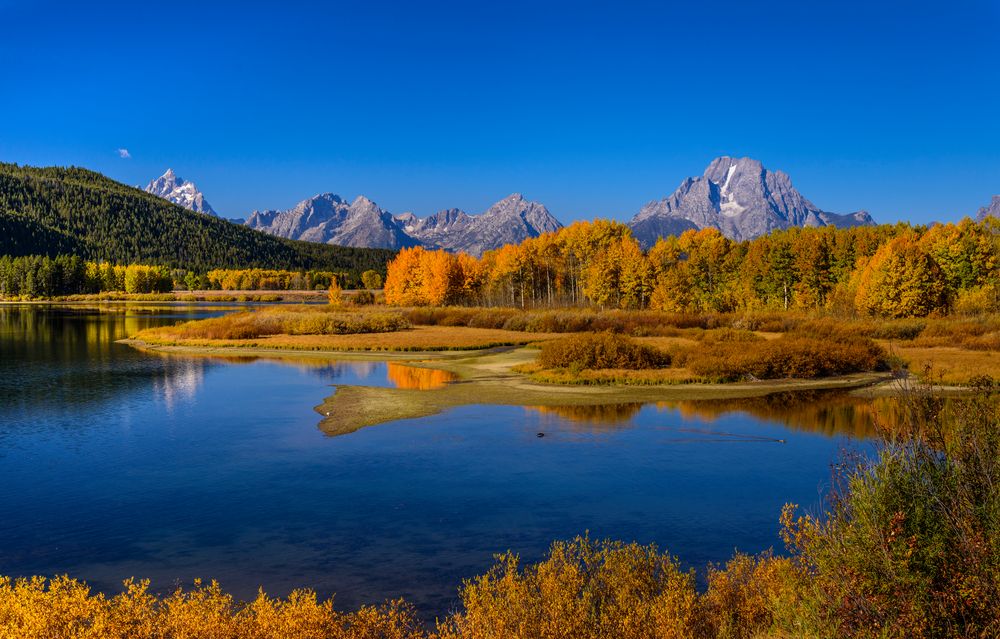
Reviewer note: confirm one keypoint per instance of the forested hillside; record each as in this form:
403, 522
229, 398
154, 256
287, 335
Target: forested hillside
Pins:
52, 211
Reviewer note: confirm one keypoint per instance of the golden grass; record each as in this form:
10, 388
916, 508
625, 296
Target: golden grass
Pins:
419, 338
667, 343
948, 365
610, 376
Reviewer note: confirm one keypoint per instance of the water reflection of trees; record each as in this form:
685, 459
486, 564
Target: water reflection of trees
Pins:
827, 412
592, 417
415, 378
59, 358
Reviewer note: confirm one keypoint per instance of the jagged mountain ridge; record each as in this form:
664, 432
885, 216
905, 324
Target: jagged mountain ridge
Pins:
740, 198
182, 192
990, 210
510, 221
329, 219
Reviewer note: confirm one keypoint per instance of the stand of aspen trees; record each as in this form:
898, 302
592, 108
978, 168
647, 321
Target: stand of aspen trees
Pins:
890, 271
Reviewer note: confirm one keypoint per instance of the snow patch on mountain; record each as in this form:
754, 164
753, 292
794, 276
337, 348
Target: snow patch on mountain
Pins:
172, 187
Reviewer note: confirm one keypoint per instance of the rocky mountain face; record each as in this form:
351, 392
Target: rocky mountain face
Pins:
991, 209
329, 219
172, 187
740, 198
737, 196
510, 221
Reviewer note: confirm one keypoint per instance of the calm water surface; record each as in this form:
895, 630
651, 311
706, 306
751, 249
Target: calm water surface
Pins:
118, 463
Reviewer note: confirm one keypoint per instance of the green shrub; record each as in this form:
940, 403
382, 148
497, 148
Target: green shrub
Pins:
910, 545
364, 297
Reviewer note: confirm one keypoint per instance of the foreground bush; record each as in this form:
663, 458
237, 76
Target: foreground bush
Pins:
911, 545
64, 608
583, 589
600, 350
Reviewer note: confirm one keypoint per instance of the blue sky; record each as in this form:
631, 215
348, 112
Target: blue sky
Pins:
592, 109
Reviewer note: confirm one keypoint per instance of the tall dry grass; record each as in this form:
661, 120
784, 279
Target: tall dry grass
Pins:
284, 320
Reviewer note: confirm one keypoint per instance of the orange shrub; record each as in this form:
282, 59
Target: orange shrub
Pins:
789, 356
753, 597
582, 590
600, 350
64, 608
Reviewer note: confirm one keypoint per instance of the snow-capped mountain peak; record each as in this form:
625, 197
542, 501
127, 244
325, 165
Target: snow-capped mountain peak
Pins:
739, 197
172, 187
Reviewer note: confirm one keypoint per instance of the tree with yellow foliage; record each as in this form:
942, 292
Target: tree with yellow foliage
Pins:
902, 280
335, 294
371, 280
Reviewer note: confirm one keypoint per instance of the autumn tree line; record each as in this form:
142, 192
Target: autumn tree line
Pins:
43, 276
39, 276
887, 271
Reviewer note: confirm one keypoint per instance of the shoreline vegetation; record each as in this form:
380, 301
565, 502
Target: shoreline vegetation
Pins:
697, 348
583, 357
908, 546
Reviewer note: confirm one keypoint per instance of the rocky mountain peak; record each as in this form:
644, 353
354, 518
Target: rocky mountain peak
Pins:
990, 210
328, 218
740, 198
172, 187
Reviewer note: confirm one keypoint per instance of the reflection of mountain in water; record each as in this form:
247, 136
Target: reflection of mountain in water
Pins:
187, 375
591, 418
414, 378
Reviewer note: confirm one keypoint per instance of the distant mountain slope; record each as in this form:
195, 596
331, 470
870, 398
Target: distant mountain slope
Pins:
171, 187
330, 219
991, 209
740, 198
58, 210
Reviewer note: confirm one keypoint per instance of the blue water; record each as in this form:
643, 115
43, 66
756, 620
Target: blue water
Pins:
118, 463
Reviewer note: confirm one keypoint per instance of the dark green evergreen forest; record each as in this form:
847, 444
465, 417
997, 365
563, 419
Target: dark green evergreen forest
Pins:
73, 211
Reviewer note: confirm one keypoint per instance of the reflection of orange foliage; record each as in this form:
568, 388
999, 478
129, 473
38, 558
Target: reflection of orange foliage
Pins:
828, 412
412, 378
599, 414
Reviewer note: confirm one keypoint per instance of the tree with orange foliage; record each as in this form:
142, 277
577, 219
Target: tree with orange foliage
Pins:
441, 278
404, 279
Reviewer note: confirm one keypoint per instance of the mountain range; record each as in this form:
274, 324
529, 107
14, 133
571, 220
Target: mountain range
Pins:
738, 196
329, 219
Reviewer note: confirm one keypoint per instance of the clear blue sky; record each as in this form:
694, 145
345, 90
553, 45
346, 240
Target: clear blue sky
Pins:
591, 109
